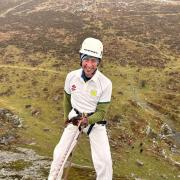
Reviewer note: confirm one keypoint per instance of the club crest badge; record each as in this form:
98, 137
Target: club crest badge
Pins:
93, 93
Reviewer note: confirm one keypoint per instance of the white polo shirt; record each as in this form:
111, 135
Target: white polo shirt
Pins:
86, 95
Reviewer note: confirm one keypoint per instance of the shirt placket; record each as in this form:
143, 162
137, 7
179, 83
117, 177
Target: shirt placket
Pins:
86, 85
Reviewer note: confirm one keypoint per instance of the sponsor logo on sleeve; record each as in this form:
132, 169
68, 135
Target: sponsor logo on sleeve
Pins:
73, 87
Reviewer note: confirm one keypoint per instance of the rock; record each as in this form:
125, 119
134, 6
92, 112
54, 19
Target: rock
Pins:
10, 117
166, 130
27, 106
32, 143
120, 92
139, 163
7, 139
35, 112
33, 165
176, 139
164, 176
46, 129
56, 98
132, 175
45, 89
150, 132
10, 123
15, 120
3, 111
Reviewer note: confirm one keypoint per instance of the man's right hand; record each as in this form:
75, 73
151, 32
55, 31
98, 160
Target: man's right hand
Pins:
75, 120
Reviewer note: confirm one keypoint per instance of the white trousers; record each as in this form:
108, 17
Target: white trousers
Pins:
100, 151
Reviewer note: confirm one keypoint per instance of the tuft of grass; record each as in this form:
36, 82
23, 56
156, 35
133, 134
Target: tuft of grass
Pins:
17, 165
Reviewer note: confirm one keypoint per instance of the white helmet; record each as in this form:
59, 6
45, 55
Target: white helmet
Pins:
92, 47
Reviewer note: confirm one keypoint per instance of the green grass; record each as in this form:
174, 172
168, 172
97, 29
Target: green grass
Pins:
17, 165
152, 168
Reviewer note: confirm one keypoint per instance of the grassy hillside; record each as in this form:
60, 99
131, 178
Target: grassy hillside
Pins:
39, 45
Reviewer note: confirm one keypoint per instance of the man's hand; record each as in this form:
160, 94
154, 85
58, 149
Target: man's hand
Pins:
79, 119
75, 120
84, 122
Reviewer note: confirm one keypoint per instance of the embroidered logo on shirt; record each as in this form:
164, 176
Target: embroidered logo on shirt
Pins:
93, 93
73, 87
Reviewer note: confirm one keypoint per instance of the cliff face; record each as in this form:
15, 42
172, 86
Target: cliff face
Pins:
39, 44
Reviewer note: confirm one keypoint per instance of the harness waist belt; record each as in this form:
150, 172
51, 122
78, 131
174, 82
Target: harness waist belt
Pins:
92, 125
80, 114
101, 122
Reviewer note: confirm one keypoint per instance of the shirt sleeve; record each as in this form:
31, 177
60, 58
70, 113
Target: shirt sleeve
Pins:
67, 84
99, 114
67, 97
67, 105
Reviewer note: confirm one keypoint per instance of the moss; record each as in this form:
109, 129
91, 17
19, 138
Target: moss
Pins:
17, 165
44, 172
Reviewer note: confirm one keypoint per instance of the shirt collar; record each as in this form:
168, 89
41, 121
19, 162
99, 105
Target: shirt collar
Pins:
94, 78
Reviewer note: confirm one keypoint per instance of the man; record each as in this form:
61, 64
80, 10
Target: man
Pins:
87, 94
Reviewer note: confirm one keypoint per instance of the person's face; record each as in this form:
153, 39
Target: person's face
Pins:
89, 65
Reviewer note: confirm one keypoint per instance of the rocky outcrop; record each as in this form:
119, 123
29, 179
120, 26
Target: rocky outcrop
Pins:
9, 122
23, 164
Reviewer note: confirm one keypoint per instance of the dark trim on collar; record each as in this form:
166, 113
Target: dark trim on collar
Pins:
85, 78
